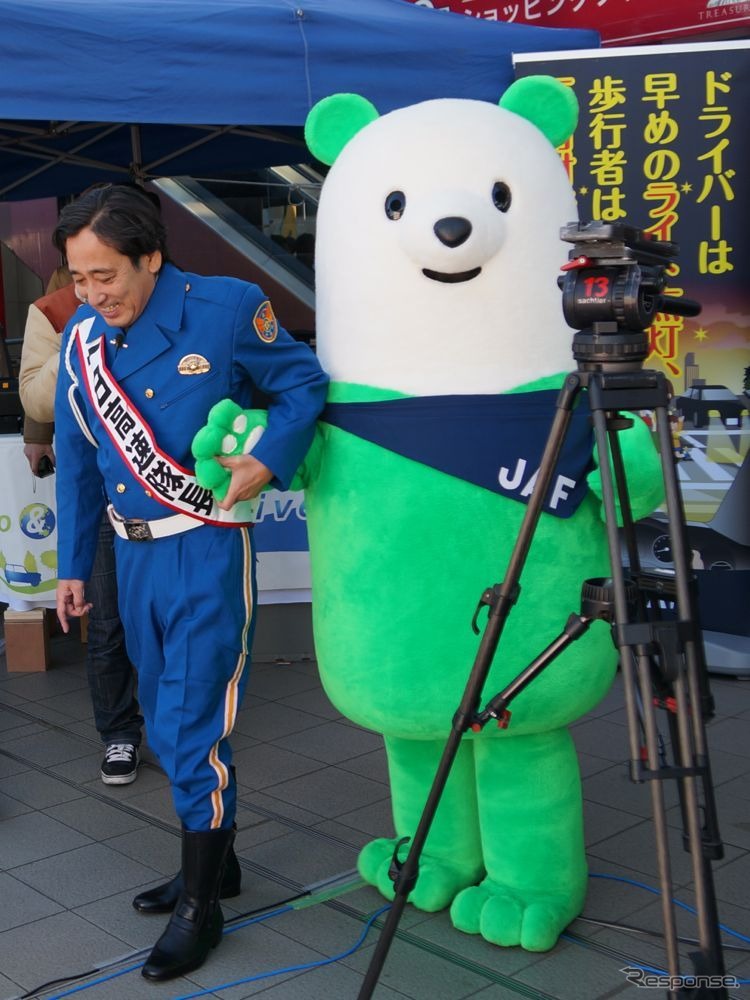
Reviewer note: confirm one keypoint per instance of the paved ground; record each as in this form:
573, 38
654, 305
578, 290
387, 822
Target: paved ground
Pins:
313, 791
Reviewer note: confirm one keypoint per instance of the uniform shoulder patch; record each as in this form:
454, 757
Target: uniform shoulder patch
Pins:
265, 323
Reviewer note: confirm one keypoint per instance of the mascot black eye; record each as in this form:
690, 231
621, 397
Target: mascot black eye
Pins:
501, 196
395, 204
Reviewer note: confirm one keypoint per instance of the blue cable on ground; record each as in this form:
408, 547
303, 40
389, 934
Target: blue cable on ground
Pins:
293, 968
655, 892
373, 917
132, 968
95, 982
677, 902
262, 975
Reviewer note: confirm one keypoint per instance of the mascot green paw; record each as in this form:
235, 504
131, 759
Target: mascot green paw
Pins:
503, 917
438, 880
230, 430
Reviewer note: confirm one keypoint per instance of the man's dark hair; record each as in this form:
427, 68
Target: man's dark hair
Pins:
122, 216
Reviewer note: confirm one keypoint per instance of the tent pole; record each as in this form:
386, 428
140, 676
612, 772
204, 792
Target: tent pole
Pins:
136, 163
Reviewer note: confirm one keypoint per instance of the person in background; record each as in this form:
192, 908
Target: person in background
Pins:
59, 278
110, 674
37, 376
144, 361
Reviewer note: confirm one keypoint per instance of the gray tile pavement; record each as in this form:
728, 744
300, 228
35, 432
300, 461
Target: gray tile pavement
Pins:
312, 790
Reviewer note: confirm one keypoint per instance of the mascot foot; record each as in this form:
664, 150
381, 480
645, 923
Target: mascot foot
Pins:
502, 916
438, 880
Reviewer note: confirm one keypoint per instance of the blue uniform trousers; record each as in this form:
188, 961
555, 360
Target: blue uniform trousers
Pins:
188, 605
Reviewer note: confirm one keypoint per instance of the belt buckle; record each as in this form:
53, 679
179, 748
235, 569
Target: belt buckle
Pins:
137, 529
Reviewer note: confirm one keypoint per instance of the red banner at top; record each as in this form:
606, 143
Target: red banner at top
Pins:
619, 22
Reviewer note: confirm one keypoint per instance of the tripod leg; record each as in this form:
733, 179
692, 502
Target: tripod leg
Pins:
452, 857
692, 738
532, 838
680, 654
635, 662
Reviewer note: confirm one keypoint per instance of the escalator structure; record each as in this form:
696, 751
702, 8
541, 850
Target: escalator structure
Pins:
259, 227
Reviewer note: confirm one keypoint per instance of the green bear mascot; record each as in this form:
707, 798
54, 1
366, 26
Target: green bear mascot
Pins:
440, 323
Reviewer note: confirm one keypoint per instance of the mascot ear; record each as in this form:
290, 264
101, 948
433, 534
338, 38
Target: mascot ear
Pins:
335, 120
546, 103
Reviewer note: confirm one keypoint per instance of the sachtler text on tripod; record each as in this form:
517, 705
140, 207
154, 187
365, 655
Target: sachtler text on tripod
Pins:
613, 287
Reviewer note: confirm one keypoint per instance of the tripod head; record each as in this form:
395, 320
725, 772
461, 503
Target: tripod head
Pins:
612, 289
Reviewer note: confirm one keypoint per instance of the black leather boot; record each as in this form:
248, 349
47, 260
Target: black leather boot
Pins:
197, 922
162, 899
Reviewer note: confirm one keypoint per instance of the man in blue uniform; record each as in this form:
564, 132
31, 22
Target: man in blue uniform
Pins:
142, 365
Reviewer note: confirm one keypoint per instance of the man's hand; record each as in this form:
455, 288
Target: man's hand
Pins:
35, 452
249, 476
71, 602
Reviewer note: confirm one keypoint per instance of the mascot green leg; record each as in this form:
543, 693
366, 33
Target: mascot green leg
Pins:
531, 816
452, 855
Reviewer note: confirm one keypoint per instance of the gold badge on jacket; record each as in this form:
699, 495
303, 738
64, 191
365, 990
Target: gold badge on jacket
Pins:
193, 364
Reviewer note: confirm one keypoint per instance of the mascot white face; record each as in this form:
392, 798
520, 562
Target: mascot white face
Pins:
438, 251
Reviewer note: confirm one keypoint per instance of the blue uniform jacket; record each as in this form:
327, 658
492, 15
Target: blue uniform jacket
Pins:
187, 314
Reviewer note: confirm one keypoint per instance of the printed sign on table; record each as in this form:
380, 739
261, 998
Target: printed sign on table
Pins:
281, 544
29, 536
28, 531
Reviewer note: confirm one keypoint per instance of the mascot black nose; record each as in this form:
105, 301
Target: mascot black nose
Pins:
453, 230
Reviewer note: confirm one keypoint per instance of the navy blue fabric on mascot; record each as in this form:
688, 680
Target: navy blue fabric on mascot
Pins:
491, 441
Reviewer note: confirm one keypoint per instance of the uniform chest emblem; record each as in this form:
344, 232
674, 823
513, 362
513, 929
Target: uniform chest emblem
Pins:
193, 364
265, 323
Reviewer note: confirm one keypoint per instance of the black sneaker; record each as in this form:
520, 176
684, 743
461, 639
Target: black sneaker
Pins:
120, 764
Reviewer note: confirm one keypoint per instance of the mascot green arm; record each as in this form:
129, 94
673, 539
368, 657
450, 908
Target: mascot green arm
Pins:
230, 430
642, 469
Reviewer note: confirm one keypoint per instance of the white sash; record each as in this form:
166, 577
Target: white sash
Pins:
164, 479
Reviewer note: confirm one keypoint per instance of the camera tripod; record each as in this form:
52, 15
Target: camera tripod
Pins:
613, 280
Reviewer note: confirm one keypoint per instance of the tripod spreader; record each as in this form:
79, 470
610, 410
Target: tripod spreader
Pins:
663, 639
496, 708
597, 603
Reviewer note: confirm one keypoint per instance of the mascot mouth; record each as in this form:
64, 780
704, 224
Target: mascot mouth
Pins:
451, 277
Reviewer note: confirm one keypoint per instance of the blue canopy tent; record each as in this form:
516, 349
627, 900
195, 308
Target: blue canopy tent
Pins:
111, 89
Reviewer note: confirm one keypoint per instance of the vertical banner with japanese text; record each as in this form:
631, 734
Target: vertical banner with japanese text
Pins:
662, 145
